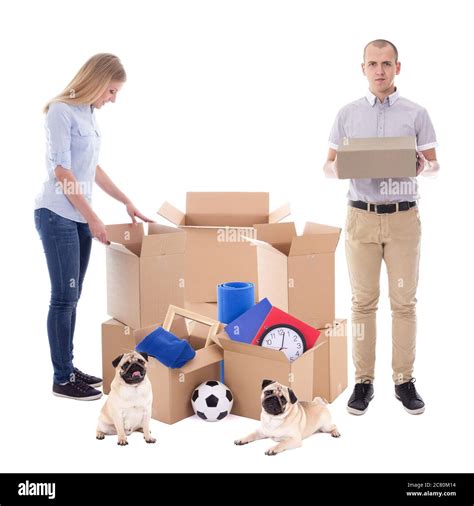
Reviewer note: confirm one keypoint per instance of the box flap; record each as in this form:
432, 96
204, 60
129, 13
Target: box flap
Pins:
157, 228
140, 334
165, 242
237, 209
316, 238
128, 234
125, 233
134, 250
251, 349
264, 245
280, 213
203, 358
172, 214
279, 235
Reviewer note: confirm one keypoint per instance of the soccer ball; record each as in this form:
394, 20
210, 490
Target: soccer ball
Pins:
212, 401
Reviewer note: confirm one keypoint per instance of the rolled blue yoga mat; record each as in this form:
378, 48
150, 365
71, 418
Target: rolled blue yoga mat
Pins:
233, 299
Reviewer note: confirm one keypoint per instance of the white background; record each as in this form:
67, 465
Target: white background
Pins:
230, 96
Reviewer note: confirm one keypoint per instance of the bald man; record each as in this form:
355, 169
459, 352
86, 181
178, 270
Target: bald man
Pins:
383, 223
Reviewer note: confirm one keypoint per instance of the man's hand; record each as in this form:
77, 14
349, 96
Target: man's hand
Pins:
330, 167
134, 212
420, 162
424, 166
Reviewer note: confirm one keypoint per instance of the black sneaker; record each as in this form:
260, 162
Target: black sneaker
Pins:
92, 381
76, 389
361, 396
409, 397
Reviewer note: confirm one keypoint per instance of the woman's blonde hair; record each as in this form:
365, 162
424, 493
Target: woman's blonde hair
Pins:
91, 81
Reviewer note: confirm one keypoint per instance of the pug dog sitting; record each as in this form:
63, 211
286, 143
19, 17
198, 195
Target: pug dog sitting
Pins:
288, 421
128, 407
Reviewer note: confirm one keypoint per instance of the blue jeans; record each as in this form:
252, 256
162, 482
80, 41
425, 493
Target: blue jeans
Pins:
67, 246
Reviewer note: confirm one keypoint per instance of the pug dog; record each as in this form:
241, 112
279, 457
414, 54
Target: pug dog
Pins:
287, 420
128, 407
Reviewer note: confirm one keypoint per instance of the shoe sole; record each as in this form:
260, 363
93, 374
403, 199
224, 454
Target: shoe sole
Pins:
96, 385
418, 411
358, 412
90, 398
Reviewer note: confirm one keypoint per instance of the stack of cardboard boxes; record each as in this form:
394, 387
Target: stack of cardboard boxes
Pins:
224, 237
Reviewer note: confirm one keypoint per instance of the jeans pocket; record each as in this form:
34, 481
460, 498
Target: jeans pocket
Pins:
418, 220
350, 223
38, 219
417, 214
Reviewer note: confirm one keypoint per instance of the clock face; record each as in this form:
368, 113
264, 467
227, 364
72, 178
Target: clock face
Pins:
285, 338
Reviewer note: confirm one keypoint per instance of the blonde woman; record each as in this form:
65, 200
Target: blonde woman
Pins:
64, 217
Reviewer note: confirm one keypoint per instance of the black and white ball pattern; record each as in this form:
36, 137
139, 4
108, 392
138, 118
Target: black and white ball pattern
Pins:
212, 401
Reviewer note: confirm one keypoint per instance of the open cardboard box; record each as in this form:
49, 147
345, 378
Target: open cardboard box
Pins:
320, 371
310, 268
296, 273
218, 226
310, 271
376, 157
145, 273
172, 388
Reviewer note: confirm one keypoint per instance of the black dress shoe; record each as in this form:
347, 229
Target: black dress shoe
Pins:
361, 396
92, 381
409, 397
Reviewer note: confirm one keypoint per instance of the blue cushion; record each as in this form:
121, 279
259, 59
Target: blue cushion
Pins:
167, 348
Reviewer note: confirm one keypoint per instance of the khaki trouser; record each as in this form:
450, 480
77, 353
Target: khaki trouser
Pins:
395, 238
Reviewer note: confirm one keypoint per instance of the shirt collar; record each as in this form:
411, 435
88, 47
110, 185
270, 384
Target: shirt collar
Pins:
372, 99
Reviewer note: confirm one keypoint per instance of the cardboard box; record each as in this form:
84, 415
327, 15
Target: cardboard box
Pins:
219, 230
145, 273
321, 371
330, 361
172, 388
377, 157
310, 267
208, 309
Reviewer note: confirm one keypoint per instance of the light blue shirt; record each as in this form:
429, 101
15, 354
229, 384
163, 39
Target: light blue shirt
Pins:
72, 141
394, 117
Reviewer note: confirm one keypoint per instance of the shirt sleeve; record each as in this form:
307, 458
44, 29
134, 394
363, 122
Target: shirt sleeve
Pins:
337, 131
58, 132
425, 133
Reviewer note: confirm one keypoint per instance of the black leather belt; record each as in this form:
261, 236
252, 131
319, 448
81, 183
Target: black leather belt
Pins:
382, 208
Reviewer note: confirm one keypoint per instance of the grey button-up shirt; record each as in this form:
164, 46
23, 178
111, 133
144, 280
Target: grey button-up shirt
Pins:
394, 117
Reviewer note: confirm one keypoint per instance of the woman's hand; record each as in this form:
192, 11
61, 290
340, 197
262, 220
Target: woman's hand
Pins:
134, 212
98, 230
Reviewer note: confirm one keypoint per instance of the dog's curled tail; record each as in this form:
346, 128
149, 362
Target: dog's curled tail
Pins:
320, 400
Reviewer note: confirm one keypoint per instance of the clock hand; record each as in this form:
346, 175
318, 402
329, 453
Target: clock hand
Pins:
283, 342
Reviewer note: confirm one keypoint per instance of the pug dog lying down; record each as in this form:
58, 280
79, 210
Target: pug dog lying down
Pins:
128, 407
287, 420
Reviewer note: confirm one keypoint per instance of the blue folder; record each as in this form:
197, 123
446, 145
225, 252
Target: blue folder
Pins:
245, 327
